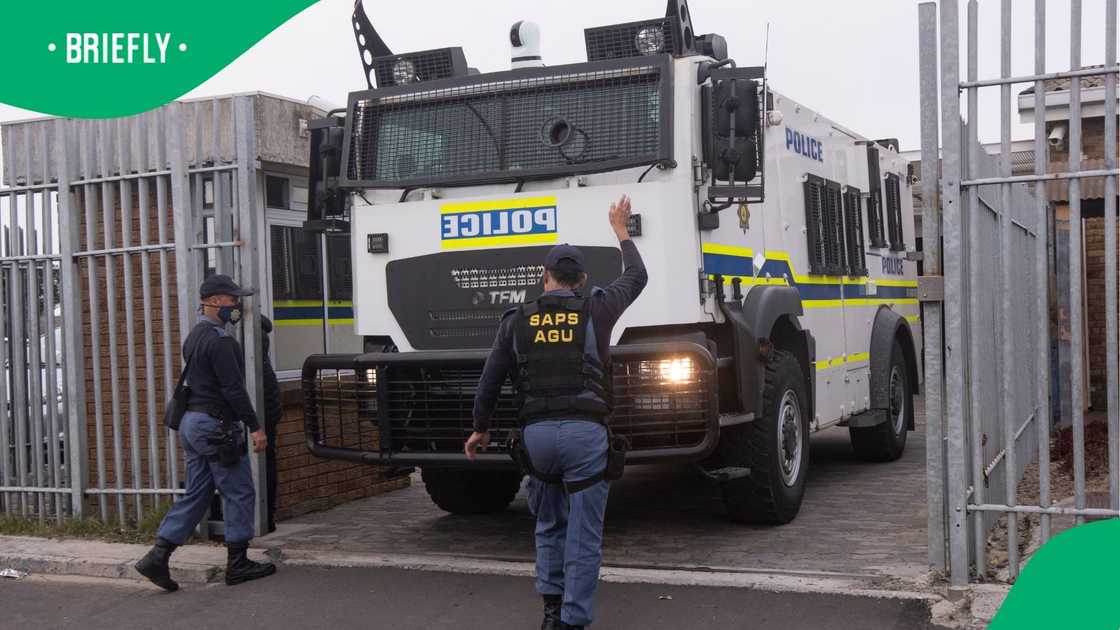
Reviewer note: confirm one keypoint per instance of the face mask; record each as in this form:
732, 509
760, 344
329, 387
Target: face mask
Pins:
230, 314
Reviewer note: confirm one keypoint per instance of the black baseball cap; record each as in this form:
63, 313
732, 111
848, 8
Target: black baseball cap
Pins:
564, 252
221, 284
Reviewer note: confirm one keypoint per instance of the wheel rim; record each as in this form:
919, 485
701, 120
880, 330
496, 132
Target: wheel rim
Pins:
898, 399
789, 438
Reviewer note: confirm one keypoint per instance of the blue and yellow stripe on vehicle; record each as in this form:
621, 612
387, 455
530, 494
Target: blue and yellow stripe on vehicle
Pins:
857, 357
293, 313
816, 291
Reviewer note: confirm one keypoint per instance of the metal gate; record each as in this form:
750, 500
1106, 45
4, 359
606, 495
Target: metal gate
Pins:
109, 226
988, 253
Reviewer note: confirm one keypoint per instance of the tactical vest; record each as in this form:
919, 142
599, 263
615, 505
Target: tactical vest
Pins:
559, 371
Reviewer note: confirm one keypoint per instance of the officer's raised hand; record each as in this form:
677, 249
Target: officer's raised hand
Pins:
620, 217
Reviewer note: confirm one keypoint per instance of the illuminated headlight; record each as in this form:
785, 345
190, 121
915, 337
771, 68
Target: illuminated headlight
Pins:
676, 370
404, 71
650, 40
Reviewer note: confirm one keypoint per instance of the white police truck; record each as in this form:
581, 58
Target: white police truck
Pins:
779, 245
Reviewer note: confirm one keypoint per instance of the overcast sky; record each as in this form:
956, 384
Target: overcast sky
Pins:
855, 61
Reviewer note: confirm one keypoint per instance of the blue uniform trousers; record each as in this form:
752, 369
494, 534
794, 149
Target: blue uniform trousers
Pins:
569, 531
204, 473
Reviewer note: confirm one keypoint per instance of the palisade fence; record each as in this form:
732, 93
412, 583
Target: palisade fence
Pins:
108, 226
988, 367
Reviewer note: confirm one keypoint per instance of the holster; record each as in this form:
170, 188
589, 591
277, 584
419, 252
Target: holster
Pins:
617, 445
230, 443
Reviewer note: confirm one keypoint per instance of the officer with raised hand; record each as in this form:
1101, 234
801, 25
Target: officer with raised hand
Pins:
556, 351
213, 440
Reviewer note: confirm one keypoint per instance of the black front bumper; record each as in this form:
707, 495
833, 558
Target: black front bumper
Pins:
414, 409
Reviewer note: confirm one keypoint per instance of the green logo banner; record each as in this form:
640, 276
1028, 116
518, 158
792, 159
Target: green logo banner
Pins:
1073, 581
104, 59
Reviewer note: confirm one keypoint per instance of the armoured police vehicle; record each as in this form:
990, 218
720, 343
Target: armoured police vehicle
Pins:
781, 297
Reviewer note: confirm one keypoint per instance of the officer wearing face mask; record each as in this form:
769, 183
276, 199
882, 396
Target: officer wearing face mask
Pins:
213, 440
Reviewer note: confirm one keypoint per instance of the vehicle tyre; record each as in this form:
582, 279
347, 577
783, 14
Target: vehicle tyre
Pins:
886, 441
460, 491
774, 447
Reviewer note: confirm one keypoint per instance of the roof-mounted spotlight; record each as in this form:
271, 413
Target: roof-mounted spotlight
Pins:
426, 65
671, 34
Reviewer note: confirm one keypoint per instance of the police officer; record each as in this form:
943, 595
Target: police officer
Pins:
555, 349
213, 440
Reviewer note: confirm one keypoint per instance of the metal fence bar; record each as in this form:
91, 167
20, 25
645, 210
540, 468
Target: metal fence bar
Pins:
53, 367
1034, 509
89, 193
18, 354
247, 260
163, 140
108, 219
1076, 316
148, 323
1023, 179
1042, 281
124, 154
1010, 382
956, 490
931, 310
1043, 76
77, 455
5, 409
1110, 301
34, 360
973, 280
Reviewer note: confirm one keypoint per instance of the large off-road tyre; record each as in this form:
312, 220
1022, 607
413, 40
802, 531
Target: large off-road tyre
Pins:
774, 447
886, 441
462, 491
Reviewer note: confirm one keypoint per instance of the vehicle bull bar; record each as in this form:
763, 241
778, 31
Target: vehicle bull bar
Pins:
415, 408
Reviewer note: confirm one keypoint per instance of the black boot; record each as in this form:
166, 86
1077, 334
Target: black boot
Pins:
154, 565
551, 612
241, 569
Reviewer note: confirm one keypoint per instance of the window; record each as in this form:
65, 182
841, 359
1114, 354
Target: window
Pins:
894, 213
853, 233
296, 270
825, 226
276, 192
874, 198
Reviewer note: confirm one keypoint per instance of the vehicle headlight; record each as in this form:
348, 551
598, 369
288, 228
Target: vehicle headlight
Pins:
404, 71
676, 370
650, 40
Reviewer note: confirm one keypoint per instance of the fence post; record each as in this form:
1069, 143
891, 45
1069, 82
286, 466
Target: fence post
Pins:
77, 453
931, 308
249, 265
956, 490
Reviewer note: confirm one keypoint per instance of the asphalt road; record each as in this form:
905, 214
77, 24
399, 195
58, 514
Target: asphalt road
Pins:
301, 597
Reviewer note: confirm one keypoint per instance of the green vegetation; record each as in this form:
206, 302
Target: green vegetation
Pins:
142, 532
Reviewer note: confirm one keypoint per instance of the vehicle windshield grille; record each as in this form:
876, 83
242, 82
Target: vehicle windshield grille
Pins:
509, 126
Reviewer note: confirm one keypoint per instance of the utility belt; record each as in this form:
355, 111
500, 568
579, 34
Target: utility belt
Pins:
230, 440
617, 446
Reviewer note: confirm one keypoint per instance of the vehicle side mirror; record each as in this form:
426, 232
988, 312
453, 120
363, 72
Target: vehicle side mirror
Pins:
327, 205
732, 135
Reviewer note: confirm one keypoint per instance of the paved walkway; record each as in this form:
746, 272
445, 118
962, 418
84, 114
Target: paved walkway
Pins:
857, 519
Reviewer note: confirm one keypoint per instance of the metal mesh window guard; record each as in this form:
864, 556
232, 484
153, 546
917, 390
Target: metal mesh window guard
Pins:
511, 126
894, 213
620, 40
853, 232
824, 226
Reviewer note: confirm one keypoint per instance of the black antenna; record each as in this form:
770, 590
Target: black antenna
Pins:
370, 44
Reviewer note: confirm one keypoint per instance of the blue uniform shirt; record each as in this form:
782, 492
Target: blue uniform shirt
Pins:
217, 372
607, 305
